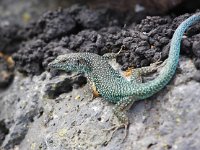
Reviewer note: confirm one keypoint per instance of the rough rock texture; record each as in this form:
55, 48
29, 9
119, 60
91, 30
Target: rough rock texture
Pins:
168, 120
9, 37
49, 110
98, 32
56, 32
23, 11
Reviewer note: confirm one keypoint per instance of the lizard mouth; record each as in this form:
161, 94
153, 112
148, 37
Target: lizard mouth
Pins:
51, 65
58, 65
55, 65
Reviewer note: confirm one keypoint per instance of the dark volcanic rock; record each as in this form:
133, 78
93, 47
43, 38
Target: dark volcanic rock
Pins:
3, 131
196, 48
145, 42
30, 56
197, 63
197, 76
65, 84
39, 111
50, 26
53, 31
9, 37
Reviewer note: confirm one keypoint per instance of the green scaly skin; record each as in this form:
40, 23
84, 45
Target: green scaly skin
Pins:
115, 88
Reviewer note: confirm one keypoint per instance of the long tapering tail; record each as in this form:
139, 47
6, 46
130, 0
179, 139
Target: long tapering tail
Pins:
149, 88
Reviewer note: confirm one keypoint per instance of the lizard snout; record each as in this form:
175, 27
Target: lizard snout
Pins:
52, 64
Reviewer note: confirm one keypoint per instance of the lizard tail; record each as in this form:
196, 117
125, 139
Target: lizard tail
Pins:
152, 87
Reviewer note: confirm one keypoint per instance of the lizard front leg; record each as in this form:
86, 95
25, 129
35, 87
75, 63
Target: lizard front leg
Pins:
108, 56
119, 111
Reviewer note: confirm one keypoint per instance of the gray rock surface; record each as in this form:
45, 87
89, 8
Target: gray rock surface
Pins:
54, 110
168, 120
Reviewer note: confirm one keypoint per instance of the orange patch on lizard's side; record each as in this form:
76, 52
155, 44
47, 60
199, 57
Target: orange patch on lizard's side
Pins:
128, 72
94, 91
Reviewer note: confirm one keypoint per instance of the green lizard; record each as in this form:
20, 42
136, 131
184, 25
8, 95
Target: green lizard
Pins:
115, 88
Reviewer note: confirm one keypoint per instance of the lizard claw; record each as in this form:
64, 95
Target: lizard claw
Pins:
156, 64
121, 49
115, 128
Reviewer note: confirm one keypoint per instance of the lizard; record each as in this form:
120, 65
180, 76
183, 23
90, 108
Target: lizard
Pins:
115, 88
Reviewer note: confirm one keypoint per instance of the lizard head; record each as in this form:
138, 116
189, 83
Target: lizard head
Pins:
71, 62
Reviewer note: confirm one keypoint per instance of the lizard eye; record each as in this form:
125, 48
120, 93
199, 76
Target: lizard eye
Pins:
62, 61
78, 62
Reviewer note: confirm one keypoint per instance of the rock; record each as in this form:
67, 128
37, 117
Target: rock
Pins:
147, 40
54, 110
196, 48
9, 37
3, 131
23, 107
186, 47
71, 116
63, 84
197, 63
6, 70
196, 76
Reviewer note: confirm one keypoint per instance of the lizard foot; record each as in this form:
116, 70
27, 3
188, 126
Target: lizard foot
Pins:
156, 64
120, 112
121, 49
115, 128
109, 56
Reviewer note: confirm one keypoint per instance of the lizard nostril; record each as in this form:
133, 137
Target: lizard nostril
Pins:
50, 65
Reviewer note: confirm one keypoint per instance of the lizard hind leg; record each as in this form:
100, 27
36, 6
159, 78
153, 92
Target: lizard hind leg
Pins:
120, 112
139, 72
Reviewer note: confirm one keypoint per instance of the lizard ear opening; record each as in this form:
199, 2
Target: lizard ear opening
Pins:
84, 63
81, 61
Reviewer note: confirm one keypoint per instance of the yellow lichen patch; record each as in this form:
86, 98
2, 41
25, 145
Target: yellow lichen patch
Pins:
178, 120
128, 72
62, 132
33, 146
8, 59
77, 97
26, 17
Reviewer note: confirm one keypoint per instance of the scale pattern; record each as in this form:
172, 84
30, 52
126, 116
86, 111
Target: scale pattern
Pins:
115, 88
109, 83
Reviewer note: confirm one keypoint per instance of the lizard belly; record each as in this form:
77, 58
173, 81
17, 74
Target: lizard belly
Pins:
109, 93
